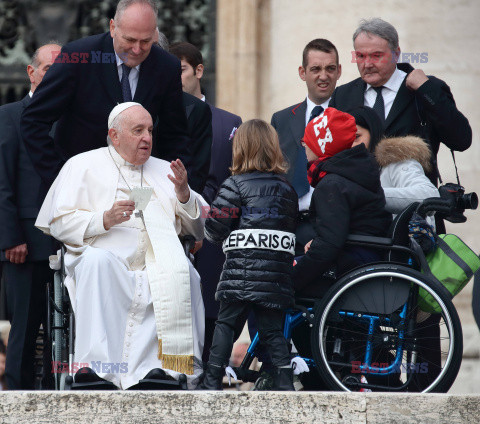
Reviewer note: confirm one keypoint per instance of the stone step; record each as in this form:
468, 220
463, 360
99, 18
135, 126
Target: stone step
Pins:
236, 407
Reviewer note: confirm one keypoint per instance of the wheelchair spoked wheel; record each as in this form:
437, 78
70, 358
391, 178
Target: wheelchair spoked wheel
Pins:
370, 334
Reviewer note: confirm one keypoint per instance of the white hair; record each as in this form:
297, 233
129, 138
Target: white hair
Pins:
380, 28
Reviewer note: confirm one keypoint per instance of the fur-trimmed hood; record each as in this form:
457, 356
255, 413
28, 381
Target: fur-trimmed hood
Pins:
397, 149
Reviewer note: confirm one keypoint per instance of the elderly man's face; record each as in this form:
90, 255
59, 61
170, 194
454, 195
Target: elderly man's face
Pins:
133, 140
46, 56
134, 34
375, 60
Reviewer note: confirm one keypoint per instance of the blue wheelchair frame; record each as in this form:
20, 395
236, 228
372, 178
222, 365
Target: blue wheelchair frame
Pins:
298, 315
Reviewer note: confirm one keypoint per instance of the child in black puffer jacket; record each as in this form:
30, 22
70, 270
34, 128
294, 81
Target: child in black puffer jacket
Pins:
254, 215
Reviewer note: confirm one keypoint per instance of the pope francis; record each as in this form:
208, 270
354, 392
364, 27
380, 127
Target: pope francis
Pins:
136, 297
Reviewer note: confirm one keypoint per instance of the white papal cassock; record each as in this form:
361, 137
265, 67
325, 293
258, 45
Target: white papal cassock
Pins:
136, 298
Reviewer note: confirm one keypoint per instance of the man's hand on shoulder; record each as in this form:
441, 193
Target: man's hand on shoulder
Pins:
120, 212
180, 180
17, 254
415, 79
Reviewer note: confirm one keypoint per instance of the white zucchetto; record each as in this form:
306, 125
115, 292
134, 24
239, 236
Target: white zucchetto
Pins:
117, 110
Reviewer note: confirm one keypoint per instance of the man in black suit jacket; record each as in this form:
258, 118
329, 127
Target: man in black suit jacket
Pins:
199, 121
210, 258
92, 76
24, 249
320, 70
410, 102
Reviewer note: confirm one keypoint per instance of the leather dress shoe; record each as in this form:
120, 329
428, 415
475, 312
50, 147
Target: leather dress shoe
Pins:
157, 374
87, 375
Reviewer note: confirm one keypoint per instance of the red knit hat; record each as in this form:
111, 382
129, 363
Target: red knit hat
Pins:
330, 133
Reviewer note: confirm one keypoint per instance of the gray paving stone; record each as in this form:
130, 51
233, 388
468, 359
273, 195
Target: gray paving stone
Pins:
235, 407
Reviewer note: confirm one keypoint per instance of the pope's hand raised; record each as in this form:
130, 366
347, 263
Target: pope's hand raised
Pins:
120, 212
180, 180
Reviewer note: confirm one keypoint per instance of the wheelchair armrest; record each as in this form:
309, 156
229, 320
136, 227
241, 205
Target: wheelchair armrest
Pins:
356, 239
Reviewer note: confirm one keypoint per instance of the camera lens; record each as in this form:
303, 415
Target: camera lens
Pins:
470, 200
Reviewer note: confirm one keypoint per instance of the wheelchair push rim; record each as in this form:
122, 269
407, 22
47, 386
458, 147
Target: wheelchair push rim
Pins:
338, 377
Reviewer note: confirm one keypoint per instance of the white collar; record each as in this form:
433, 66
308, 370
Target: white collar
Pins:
394, 82
203, 98
30, 94
311, 105
120, 61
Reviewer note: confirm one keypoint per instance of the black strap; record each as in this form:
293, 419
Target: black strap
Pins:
424, 124
442, 244
421, 256
456, 170
424, 134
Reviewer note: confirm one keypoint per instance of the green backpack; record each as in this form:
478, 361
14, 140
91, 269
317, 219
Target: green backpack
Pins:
453, 264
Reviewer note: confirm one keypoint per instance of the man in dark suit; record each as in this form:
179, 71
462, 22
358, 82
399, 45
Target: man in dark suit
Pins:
320, 70
199, 122
92, 76
24, 249
210, 258
407, 101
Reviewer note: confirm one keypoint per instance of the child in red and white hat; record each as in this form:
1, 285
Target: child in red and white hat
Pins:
348, 199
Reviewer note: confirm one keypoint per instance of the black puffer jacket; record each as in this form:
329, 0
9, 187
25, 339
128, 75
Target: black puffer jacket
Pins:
262, 201
348, 200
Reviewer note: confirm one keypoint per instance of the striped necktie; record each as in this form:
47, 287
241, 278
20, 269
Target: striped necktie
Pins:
126, 91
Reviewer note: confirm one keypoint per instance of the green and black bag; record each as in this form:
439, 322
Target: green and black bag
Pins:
453, 264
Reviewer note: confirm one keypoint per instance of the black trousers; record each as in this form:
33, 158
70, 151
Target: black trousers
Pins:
26, 306
229, 325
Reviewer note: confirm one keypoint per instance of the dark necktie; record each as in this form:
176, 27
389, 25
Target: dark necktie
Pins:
379, 106
126, 91
299, 180
317, 110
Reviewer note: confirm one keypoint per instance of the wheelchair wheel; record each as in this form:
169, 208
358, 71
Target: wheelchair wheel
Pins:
370, 334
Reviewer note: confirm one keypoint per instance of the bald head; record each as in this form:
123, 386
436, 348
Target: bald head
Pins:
134, 30
42, 59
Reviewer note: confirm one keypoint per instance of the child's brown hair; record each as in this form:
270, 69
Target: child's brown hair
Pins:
256, 148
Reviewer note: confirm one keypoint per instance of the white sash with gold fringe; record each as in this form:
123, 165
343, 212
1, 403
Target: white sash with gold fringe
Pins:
169, 279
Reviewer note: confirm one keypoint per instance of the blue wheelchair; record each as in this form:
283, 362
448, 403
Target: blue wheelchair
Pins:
368, 332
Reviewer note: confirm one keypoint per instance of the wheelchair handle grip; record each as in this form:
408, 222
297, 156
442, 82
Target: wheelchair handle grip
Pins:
435, 204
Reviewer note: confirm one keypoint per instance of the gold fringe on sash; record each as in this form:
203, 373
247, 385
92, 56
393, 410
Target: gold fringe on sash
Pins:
179, 363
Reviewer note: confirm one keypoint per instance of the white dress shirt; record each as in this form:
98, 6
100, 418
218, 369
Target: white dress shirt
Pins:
132, 76
389, 91
311, 105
